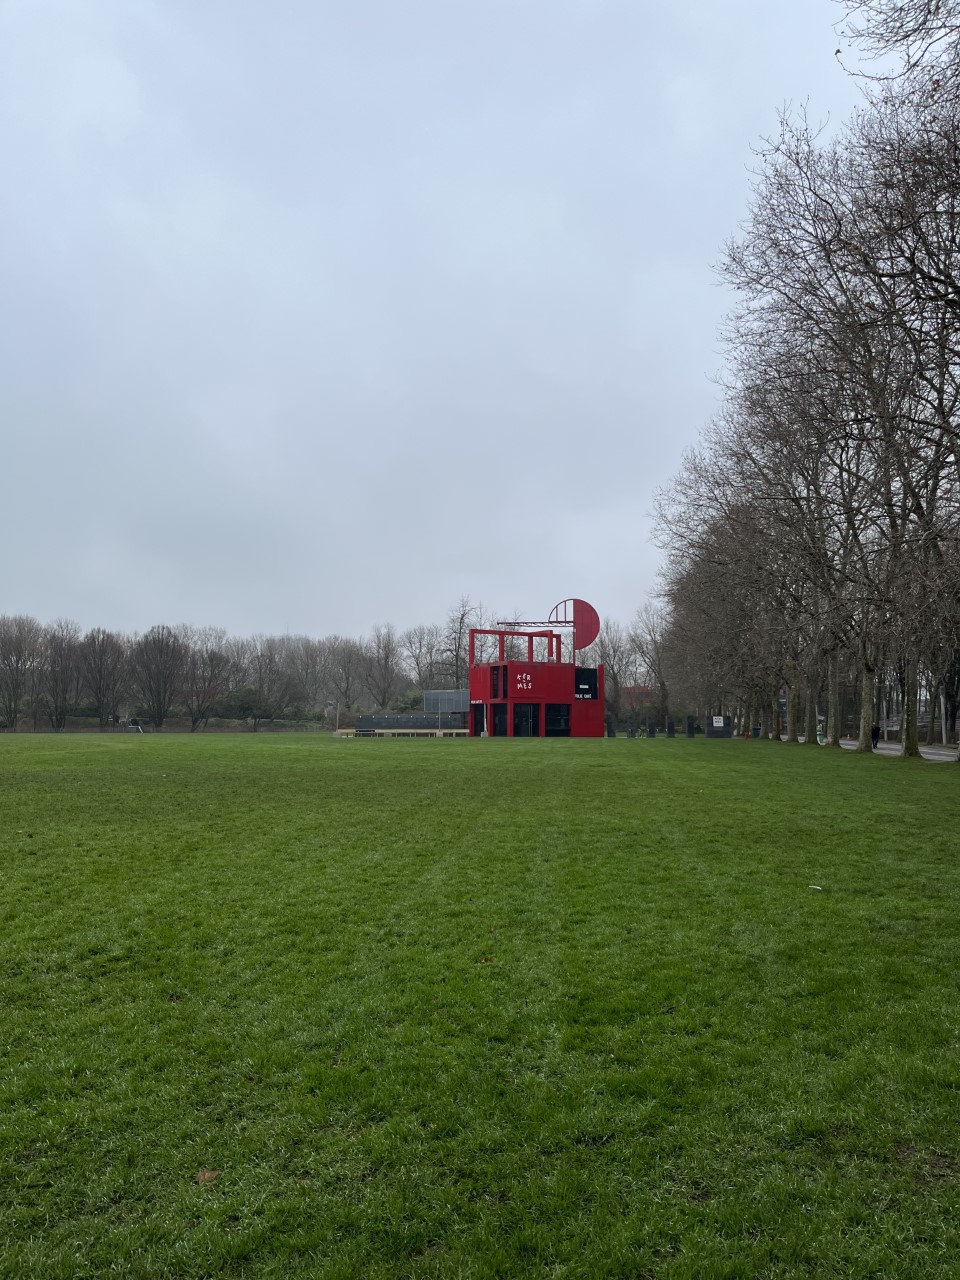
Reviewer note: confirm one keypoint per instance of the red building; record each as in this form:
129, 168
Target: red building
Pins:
515, 696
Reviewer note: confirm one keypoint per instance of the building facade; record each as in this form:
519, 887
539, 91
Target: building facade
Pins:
520, 697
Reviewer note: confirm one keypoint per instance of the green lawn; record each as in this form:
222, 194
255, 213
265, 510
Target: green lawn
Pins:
290, 1007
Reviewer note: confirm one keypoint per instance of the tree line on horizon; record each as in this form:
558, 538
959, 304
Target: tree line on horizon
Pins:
55, 671
812, 539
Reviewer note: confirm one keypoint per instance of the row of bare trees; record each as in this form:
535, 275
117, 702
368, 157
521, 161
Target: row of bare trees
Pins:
49, 672
814, 536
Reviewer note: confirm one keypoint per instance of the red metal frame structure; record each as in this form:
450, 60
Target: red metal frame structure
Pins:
513, 697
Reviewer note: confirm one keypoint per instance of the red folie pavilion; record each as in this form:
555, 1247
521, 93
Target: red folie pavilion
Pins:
536, 694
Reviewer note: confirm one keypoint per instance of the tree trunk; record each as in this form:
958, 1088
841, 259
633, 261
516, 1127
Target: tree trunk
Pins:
933, 696
810, 717
793, 711
908, 717
951, 718
833, 701
868, 693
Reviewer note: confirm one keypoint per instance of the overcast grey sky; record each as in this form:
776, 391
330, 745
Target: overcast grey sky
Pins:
317, 315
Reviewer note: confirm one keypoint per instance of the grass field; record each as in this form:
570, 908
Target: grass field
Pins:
291, 1007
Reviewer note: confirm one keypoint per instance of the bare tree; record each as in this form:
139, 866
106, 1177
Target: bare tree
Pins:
156, 671
648, 638
346, 669
464, 615
828, 269
269, 678
308, 662
103, 666
813, 541
422, 647
62, 654
921, 32
206, 671
382, 671
21, 659
612, 650
238, 651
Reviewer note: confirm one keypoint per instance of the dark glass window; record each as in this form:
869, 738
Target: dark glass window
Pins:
494, 682
557, 720
526, 720
585, 684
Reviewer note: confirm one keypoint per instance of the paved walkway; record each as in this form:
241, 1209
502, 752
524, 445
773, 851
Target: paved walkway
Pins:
939, 754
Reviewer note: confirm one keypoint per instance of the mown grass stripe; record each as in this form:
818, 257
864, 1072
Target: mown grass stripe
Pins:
293, 1007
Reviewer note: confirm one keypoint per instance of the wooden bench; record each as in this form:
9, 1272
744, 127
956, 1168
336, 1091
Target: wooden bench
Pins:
411, 733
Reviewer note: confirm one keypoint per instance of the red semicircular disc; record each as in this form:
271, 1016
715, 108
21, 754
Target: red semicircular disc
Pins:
585, 619
586, 624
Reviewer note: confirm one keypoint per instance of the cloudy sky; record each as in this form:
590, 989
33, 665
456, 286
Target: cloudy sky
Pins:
315, 315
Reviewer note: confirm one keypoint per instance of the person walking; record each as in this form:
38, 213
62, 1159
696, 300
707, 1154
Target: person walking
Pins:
874, 735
